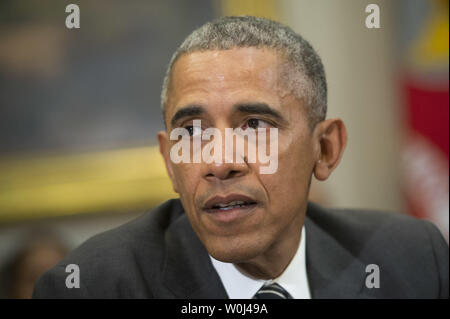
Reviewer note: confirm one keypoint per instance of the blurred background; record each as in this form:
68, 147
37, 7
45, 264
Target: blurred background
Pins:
79, 113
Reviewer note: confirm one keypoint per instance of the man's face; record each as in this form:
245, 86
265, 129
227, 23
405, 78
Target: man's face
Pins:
231, 89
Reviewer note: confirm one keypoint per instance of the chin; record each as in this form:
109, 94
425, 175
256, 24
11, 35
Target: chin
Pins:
237, 251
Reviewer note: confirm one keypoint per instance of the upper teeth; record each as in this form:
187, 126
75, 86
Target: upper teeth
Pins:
236, 202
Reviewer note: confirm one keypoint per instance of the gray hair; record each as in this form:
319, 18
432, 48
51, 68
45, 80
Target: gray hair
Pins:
304, 72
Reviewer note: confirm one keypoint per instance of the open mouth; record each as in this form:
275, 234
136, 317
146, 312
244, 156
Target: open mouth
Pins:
230, 209
232, 205
229, 203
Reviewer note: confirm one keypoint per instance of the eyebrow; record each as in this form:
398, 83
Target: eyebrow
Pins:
187, 111
259, 108
248, 108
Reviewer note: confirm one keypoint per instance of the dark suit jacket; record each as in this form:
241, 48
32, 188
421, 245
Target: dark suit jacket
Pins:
158, 255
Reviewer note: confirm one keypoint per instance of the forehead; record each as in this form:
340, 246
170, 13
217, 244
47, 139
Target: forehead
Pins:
236, 62
225, 75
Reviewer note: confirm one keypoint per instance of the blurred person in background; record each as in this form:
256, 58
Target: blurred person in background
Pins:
41, 250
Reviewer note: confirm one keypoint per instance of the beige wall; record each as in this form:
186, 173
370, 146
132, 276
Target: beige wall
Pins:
359, 63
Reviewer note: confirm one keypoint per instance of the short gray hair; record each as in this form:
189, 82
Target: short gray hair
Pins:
304, 74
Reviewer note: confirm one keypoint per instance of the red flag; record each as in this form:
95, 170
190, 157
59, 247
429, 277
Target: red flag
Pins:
425, 156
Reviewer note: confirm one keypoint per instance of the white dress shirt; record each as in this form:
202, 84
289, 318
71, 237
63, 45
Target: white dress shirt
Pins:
294, 278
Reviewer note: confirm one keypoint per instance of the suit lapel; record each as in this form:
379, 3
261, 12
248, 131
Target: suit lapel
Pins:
188, 271
333, 272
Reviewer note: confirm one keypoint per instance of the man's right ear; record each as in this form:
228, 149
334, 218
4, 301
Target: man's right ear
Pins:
165, 152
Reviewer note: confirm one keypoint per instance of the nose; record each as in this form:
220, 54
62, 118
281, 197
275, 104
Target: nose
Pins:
231, 165
224, 171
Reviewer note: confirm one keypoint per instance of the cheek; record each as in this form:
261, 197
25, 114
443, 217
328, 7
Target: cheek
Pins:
186, 178
288, 187
295, 158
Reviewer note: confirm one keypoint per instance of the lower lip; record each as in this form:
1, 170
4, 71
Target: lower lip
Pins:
230, 215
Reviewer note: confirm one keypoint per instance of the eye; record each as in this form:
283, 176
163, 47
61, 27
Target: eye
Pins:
255, 124
193, 130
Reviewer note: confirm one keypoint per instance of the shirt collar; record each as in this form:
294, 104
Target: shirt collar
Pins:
241, 286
